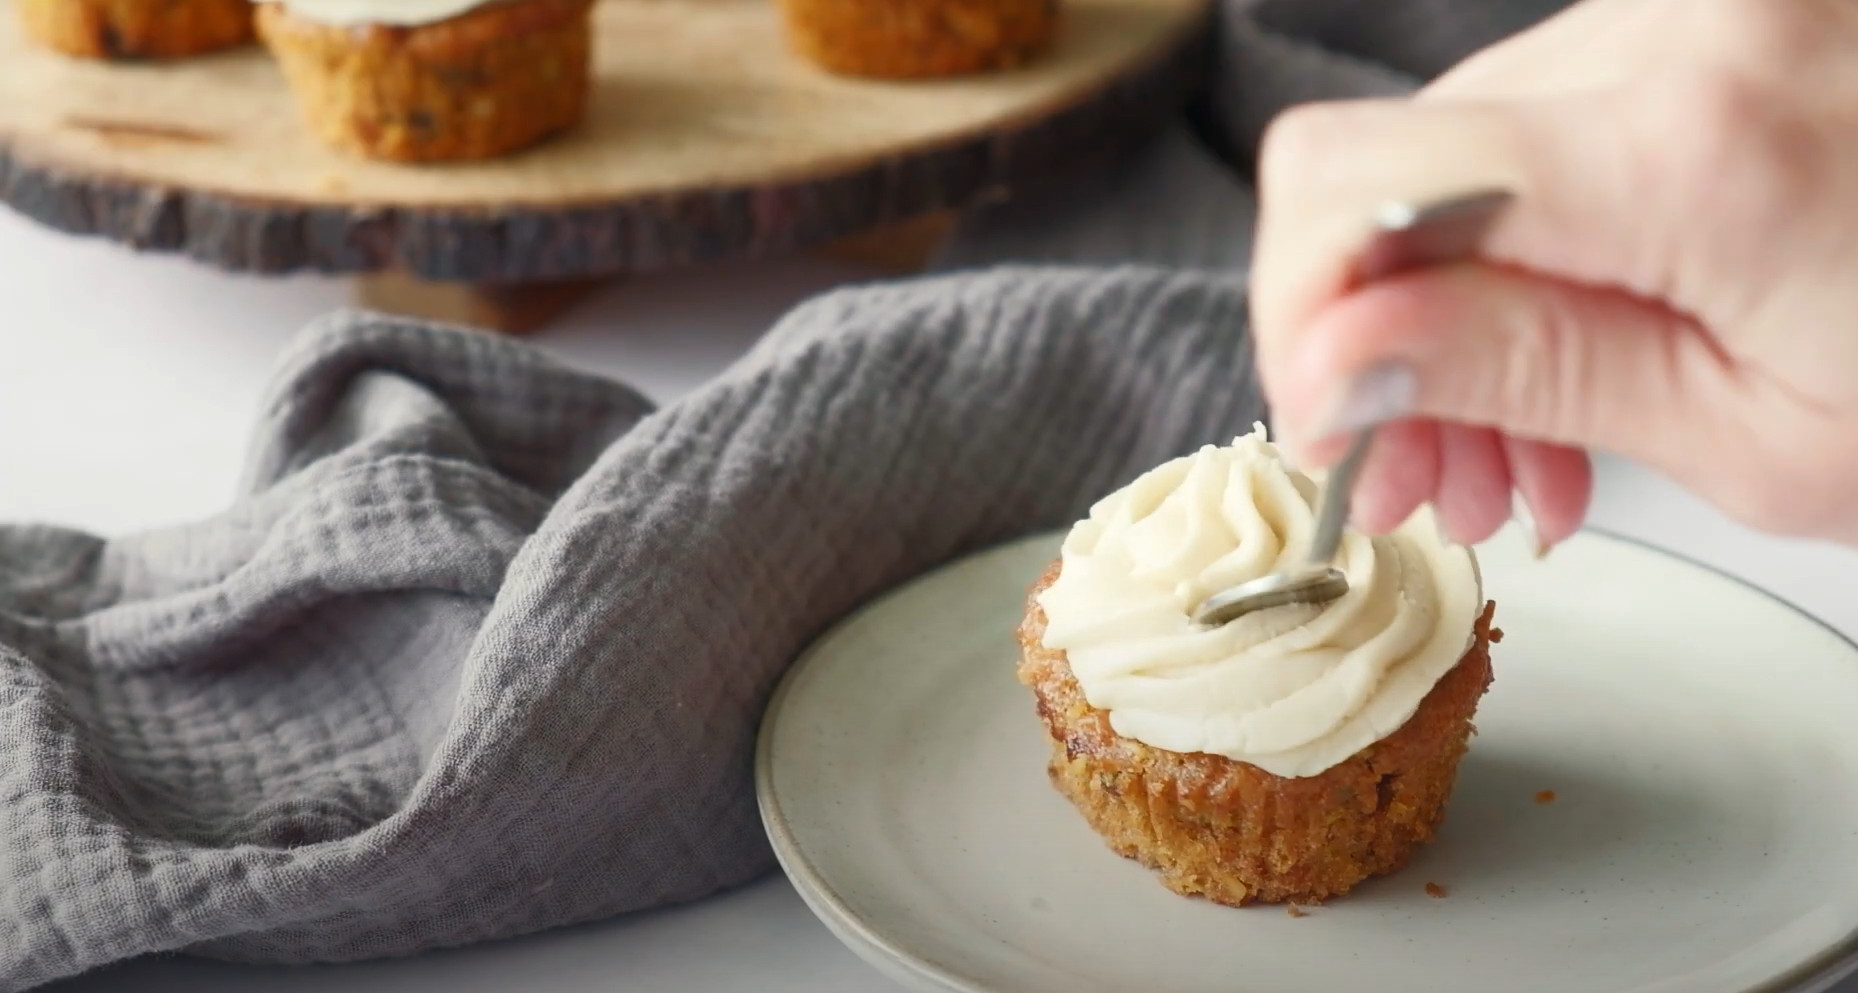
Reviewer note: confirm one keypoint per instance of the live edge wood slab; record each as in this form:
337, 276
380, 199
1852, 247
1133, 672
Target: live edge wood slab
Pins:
706, 139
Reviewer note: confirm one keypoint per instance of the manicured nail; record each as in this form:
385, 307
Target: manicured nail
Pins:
1519, 509
1380, 393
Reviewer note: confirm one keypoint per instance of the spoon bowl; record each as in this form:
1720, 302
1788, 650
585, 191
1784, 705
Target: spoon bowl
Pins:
1311, 584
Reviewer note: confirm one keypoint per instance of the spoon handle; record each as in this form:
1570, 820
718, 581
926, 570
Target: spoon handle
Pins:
1333, 512
1410, 236
1407, 236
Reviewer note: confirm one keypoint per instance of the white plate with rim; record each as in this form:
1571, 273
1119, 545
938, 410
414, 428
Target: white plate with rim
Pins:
1700, 737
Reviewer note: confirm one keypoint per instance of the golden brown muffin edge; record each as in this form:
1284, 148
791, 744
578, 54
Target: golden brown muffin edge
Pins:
1233, 833
486, 83
906, 39
136, 29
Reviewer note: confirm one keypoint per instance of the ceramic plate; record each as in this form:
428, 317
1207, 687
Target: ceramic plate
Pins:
1699, 736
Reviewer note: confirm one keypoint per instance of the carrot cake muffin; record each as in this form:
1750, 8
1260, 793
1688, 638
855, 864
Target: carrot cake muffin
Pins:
433, 80
902, 39
1290, 754
136, 29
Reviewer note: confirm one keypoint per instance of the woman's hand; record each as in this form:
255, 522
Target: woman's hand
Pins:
1676, 282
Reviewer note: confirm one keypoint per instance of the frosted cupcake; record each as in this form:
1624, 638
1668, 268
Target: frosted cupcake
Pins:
433, 80
136, 29
1286, 756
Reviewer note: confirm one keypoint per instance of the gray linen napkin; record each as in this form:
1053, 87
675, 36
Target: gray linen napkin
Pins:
481, 645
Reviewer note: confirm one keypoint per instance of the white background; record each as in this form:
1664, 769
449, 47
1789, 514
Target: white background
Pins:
127, 385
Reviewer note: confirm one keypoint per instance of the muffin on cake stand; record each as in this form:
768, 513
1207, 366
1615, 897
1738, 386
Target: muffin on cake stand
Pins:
136, 29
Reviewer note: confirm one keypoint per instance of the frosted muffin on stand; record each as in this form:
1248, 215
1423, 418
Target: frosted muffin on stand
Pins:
136, 29
1286, 756
433, 80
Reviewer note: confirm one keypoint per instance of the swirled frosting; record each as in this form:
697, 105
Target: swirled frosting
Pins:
1292, 690
399, 13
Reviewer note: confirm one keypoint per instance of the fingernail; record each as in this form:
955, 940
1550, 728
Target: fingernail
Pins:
1519, 509
1380, 393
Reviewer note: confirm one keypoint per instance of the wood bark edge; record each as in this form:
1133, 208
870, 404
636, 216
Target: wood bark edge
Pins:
541, 243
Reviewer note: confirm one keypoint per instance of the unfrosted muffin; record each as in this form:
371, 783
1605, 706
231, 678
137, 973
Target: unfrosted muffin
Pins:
901, 39
434, 80
1286, 756
136, 29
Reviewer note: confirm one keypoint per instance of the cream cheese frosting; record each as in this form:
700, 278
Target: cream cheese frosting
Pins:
1293, 690
397, 13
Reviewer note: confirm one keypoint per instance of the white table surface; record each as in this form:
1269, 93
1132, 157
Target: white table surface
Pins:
127, 384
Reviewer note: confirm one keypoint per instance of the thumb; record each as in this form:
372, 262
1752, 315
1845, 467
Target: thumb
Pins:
1533, 357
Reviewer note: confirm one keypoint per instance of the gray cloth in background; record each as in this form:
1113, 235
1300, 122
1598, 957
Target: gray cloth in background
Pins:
481, 645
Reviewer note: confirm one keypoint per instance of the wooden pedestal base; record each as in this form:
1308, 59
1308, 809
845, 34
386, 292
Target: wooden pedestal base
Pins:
897, 249
519, 309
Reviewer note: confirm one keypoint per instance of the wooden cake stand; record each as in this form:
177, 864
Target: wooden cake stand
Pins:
706, 139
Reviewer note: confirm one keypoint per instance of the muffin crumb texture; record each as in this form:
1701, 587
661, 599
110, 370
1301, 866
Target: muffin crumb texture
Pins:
903, 39
1233, 833
136, 29
484, 84
1435, 891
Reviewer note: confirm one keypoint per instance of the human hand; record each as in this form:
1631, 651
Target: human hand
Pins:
1674, 283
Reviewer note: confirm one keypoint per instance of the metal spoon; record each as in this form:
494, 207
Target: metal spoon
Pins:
1407, 236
